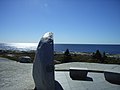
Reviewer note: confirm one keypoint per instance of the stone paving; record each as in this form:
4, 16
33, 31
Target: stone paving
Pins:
18, 76
96, 81
15, 75
90, 66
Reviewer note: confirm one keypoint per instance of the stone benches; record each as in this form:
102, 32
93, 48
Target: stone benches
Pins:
81, 73
78, 73
112, 77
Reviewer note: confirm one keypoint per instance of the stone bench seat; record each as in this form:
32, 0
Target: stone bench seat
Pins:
112, 77
81, 73
78, 73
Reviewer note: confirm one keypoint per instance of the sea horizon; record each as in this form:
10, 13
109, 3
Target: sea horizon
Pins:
108, 48
62, 43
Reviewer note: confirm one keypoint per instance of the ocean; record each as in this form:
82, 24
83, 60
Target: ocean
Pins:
111, 49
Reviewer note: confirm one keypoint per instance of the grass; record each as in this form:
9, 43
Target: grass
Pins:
87, 58
14, 55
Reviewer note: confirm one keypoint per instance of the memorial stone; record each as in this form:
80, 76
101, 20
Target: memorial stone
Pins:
43, 66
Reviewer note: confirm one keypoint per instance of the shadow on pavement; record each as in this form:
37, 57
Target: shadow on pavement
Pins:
83, 79
58, 86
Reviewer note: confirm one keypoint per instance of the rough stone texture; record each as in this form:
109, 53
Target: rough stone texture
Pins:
43, 66
15, 75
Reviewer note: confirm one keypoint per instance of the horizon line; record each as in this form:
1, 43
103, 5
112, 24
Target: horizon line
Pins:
68, 43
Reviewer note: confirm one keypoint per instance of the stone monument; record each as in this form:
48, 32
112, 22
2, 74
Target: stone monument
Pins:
43, 66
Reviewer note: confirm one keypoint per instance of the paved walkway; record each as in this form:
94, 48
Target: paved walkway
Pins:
18, 76
15, 75
90, 66
96, 81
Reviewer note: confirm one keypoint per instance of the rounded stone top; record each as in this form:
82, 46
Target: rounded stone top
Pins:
48, 35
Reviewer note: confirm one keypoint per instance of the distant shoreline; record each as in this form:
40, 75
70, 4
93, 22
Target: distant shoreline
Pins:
59, 56
87, 48
67, 43
55, 52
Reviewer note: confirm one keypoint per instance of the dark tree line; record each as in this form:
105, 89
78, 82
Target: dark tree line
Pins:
99, 56
67, 56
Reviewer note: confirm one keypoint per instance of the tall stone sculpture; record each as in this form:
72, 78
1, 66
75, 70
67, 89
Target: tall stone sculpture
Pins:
43, 66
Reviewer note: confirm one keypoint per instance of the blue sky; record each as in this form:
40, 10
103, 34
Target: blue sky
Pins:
71, 21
